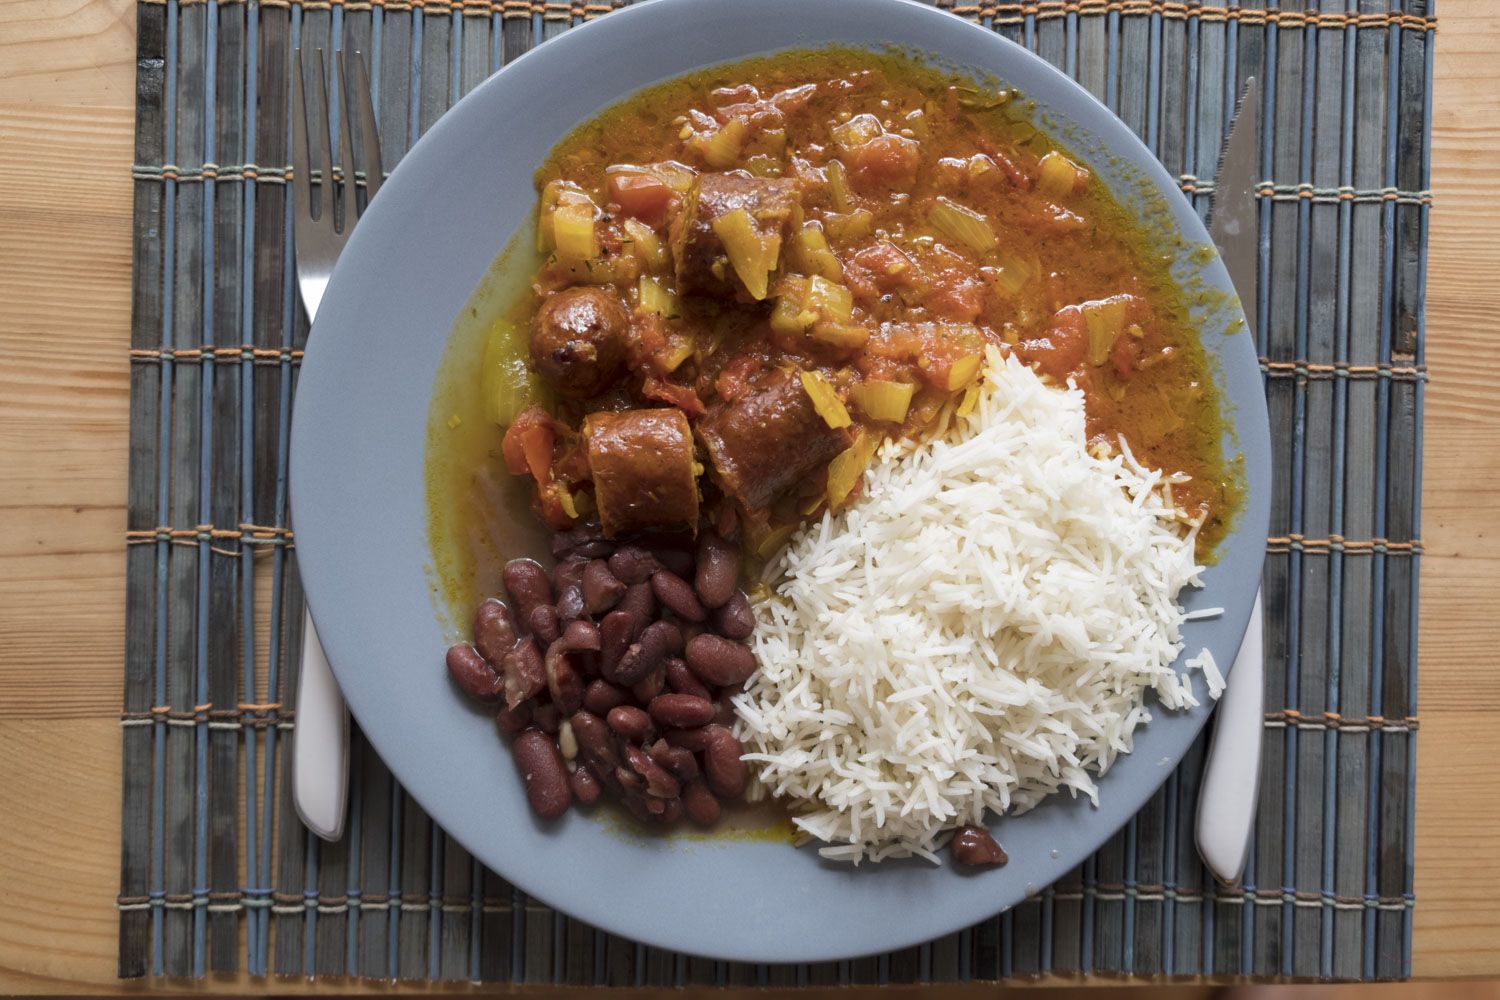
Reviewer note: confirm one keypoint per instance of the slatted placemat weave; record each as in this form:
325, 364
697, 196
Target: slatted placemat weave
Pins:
218, 875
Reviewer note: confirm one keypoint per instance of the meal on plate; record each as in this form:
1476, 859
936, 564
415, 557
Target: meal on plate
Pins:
877, 443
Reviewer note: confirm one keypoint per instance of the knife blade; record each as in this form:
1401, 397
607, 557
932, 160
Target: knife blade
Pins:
1231, 772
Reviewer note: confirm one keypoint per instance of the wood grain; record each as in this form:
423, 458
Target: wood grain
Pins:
66, 118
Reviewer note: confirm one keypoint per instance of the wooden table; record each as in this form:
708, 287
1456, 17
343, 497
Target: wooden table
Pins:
66, 129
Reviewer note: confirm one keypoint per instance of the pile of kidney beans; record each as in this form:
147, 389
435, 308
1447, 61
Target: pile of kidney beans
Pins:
615, 672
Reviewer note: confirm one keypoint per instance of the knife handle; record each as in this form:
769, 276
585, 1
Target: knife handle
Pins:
320, 742
1231, 775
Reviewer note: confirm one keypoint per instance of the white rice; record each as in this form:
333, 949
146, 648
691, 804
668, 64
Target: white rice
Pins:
978, 631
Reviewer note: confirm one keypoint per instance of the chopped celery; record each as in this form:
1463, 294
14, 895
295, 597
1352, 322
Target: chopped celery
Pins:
811, 254
848, 467
565, 501
654, 297
838, 185
752, 256
762, 165
674, 175
825, 400
1057, 175
1014, 274
722, 149
646, 246
962, 372
573, 232
786, 318
507, 381
832, 301
962, 224
855, 225
1105, 320
774, 539
679, 349
883, 400
846, 335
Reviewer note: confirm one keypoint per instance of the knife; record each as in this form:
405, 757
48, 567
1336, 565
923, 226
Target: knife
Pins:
1231, 774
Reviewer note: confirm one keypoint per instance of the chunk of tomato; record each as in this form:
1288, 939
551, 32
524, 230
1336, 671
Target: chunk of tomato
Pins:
886, 162
956, 296
1060, 351
527, 444
641, 196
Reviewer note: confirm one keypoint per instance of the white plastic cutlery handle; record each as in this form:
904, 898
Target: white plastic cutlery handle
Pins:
320, 744
1231, 775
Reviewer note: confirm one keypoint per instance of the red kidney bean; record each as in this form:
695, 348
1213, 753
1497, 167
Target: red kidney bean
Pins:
630, 722
616, 632
640, 602
644, 655
659, 784
675, 594
721, 762
650, 686
724, 712
974, 846
527, 584
718, 570
719, 661
524, 671
474, 677
512, 720
494, 631
655, 807
542, 771
544, 624
585, 540
683, 681
679, 760
632, 785
734, 620
601, 696
692, 740
632, 564
671, 812
681, 711
673, 549
601, 590
596, 744
567, 580
700, 804
547, 718
564, 681
585, 786
581, 636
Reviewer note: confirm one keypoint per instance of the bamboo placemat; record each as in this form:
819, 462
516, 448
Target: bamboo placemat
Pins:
216, 872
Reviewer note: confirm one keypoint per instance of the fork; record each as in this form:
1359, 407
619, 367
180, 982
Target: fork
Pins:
325, 214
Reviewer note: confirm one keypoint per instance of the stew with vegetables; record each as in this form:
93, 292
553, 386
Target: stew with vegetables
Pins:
755, 274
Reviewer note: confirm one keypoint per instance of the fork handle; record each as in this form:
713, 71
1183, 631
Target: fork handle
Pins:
1231, 775
320, 744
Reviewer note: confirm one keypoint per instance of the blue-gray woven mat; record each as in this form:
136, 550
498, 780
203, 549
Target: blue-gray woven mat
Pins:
218, 875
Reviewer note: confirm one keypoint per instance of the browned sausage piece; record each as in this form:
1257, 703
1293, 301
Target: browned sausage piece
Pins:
642, 465
767, 441
701, 263
578, 340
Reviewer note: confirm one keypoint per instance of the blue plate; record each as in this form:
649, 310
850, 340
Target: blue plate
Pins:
360, 504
